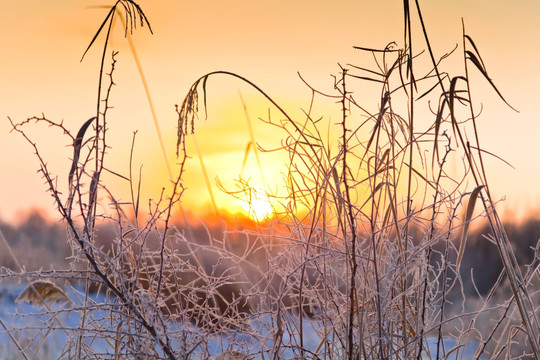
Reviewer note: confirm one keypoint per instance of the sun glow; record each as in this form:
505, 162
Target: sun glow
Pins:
257, 205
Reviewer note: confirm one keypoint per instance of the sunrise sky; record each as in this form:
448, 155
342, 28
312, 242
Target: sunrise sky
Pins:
268, 42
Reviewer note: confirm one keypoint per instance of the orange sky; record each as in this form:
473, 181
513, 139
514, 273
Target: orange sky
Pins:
267, 42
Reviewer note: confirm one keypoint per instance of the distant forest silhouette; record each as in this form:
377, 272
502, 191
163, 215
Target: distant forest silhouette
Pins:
38, 243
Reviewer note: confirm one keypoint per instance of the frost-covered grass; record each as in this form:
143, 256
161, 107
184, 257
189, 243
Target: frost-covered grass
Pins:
361, 260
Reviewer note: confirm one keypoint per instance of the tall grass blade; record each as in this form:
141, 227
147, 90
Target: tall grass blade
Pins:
252, 138
467, 222
148, 97
246, 154
479, 65
205, 79
77, 144
205, 175
451, 101
467, 37
438, 121
109, 15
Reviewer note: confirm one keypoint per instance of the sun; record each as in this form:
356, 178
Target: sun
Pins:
258, 206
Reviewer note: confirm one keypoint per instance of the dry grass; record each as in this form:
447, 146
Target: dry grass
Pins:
362, 260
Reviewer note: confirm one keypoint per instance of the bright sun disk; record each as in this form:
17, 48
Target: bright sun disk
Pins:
258, 206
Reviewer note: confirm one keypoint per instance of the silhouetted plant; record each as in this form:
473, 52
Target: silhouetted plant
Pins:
363, 259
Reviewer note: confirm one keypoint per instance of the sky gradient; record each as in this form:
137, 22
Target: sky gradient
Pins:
268, 43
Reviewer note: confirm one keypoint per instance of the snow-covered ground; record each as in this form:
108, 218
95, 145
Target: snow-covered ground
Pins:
44, 335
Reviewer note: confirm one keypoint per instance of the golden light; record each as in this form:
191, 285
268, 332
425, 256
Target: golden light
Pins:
257, 205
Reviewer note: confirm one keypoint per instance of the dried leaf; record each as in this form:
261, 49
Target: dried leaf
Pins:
41, 292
